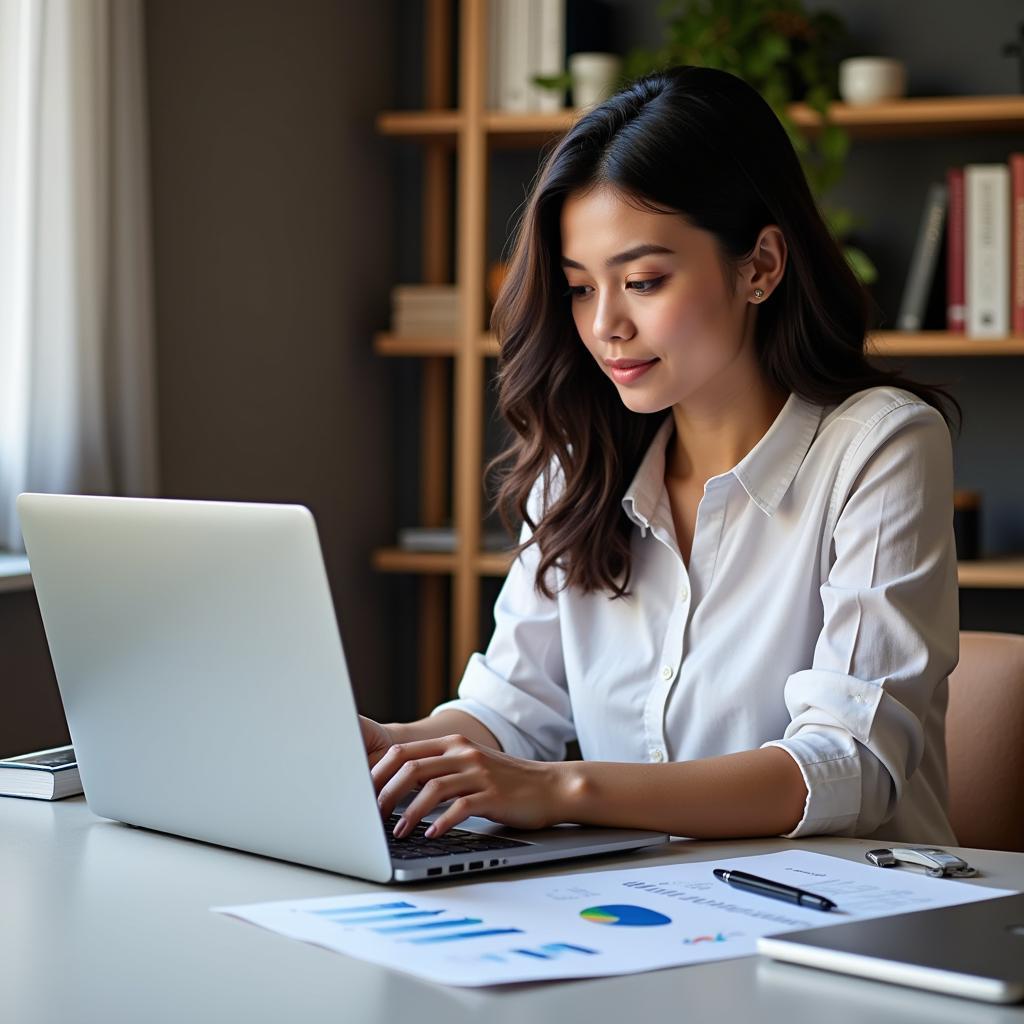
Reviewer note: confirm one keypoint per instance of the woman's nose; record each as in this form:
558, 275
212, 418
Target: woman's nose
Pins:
610, 321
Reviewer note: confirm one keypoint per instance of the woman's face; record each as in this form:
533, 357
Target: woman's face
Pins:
661, 324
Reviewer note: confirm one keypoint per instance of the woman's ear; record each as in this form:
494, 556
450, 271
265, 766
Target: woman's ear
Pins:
765, 267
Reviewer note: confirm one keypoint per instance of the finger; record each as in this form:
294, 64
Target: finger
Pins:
400, 753
413, 774
460, 810
435, 792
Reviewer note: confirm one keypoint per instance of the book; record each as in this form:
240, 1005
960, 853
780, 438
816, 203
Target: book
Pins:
513, 90
546, 52
494, 54
923, 262
1016, 163
987, 249
536, 37
44, 775
956, 299
442, 538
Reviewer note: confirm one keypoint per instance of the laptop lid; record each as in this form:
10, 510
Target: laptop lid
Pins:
202, 673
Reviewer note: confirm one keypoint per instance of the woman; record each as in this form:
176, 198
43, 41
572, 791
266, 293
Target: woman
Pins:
736, 584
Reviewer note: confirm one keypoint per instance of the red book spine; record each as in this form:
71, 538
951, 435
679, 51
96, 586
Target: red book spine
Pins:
1017, 243
956, 312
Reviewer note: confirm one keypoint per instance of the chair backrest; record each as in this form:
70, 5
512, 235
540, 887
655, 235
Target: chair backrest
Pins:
985, 741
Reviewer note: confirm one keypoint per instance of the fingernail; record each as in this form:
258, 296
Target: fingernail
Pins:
430, 831
399, 828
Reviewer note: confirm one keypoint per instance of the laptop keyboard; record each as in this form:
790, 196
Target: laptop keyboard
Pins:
455, 840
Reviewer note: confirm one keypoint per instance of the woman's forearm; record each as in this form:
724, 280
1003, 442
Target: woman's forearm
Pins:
749, 793
444, 723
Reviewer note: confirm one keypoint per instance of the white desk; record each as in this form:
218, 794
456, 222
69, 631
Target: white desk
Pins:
105, 923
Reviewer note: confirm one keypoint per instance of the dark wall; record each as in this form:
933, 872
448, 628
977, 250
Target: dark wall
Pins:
272, 218
32, 717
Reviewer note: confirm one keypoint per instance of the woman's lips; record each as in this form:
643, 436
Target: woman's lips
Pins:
629, 370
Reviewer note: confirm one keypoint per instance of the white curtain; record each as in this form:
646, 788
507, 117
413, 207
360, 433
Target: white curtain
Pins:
77, 394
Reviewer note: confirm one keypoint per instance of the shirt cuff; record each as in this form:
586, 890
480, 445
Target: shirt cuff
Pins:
830, 766
511, 739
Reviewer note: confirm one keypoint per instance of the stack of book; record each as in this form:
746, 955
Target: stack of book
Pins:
442, 538
425, 309
44, 775
534, 37
966, 274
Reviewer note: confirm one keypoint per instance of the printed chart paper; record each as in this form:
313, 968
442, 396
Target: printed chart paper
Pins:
589, 924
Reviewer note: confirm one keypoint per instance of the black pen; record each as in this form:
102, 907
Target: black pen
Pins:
777, 890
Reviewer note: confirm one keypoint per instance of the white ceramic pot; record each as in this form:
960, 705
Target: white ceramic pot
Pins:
593, 77
871, 79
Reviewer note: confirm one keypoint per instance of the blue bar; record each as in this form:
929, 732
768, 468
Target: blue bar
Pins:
377, 918
466, 935
391, 929
555, 946
362, 910
533, 952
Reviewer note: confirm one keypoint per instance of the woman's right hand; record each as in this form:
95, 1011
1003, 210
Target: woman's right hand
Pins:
376, 737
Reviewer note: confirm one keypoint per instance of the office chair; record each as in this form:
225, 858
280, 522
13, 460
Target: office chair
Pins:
985, 741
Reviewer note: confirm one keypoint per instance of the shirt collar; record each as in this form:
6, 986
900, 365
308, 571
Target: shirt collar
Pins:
765, 472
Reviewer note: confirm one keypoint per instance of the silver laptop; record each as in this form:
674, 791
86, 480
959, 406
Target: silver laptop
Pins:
202, 673
974, 950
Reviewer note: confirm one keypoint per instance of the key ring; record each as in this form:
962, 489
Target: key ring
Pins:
937, 863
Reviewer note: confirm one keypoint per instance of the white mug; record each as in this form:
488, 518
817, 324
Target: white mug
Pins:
871, 79
593, 77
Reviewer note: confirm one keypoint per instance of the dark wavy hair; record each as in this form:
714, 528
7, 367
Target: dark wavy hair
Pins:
702, 142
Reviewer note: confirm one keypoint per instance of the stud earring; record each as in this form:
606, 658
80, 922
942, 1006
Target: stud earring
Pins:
758, 292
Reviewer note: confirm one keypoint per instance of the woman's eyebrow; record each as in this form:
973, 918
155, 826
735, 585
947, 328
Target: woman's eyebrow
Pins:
623, 257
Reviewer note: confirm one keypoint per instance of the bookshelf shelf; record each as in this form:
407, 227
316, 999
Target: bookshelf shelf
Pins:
983, 574
993, 573
916, 115
457, 132
421, 125
880, 343
942, 343
438, 563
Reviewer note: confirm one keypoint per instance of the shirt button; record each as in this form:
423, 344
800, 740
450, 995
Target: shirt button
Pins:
666, 672
684, 592
657, 755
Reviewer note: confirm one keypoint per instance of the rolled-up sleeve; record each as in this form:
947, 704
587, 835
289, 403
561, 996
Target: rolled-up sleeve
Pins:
517, 687
890, 633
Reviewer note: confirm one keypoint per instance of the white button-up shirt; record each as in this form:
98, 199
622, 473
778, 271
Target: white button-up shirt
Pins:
818, 613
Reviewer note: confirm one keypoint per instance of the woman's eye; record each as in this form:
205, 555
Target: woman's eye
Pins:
576, 291
647, 286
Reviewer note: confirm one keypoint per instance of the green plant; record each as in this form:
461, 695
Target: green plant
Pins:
788, 55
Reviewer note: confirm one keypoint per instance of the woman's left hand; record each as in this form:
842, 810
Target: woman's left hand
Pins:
479, 780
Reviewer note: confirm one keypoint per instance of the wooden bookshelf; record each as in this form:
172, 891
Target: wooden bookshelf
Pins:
454, 368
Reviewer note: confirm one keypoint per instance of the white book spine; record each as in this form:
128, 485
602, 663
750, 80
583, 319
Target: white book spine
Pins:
987, 249
514, 55
551, 50
494, 15
532, 52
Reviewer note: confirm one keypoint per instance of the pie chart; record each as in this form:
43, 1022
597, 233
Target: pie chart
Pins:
624, 914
